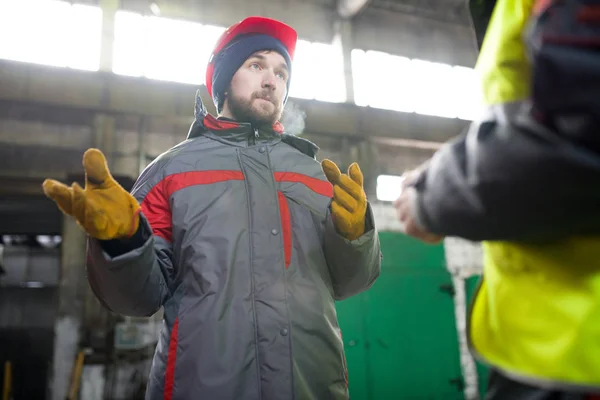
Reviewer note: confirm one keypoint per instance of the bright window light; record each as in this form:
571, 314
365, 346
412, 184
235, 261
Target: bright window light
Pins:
383, 80
360, 81
386, 81
328, 72
161, 48
51, 32
467, 88
434, 96
302, 84
171, 58
129, 45
318, 72
389, 187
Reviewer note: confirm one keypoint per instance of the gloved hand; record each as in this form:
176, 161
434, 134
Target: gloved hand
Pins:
103, 209
349, 206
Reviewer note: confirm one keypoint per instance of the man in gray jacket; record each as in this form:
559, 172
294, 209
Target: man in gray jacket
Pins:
242, 237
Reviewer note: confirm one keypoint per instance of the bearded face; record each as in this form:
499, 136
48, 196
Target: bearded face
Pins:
258, 89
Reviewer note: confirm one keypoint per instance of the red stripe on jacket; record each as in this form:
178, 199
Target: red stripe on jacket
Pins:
156, 205
171, 358
316, 185
157, 209
319, 186
286, 226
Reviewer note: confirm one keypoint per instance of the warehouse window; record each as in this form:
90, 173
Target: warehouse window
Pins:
397, 83
174, 50
468, 89
51, 32
162, 48
382, 80
318, 72
389, 187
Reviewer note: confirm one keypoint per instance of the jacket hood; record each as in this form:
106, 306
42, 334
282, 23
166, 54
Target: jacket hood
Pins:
502, 66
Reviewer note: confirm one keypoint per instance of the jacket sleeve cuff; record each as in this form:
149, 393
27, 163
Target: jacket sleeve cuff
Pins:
420, 216
332, 232
118, 247
369, 219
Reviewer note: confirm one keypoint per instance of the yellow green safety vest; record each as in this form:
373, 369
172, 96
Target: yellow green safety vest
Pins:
536, 314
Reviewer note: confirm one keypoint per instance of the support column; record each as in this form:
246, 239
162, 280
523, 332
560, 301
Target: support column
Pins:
96, 318
109, 9
78, 310
72, 287
343, 39
351, 8
141, 156
104, 127
367, 159
464, 259
467, 363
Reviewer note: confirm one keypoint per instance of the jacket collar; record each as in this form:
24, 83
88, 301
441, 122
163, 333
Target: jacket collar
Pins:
242, 133
227, 129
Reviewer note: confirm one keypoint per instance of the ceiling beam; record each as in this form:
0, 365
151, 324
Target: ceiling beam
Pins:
349, 8
172, 103
447, 11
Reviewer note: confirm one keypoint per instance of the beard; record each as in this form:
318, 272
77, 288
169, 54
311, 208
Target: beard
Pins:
255, 110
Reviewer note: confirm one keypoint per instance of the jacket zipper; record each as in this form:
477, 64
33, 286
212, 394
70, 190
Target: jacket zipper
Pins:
252, 140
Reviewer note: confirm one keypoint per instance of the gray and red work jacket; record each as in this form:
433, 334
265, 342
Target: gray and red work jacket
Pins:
236, 243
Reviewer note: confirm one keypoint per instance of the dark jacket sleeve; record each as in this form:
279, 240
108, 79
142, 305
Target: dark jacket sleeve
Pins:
134, 277
354, 265
510, 179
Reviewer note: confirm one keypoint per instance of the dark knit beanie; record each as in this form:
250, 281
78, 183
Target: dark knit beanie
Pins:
231, 58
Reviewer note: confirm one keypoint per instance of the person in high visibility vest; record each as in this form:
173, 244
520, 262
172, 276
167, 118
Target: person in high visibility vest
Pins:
525, 180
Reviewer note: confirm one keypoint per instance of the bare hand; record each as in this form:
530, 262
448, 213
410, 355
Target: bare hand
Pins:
404, 209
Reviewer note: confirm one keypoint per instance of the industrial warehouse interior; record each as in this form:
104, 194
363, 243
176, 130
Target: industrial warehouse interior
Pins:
381, 83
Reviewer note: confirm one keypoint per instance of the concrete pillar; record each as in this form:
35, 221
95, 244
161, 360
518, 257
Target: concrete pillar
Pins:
109, 8
72, 287
141, 159
78, 310
104, 127
96, 317
346, 156
467, 363
367, 159
343, 38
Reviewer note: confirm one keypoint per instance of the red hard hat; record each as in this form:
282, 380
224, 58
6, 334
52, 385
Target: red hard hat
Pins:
280, 31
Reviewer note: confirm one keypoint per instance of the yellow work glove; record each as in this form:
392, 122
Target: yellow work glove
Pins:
103, 209
349, 205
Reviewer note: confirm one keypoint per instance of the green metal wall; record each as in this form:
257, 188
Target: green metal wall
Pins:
400, 336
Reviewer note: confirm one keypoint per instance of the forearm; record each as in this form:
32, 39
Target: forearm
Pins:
135, 282
510, 181
354, 265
